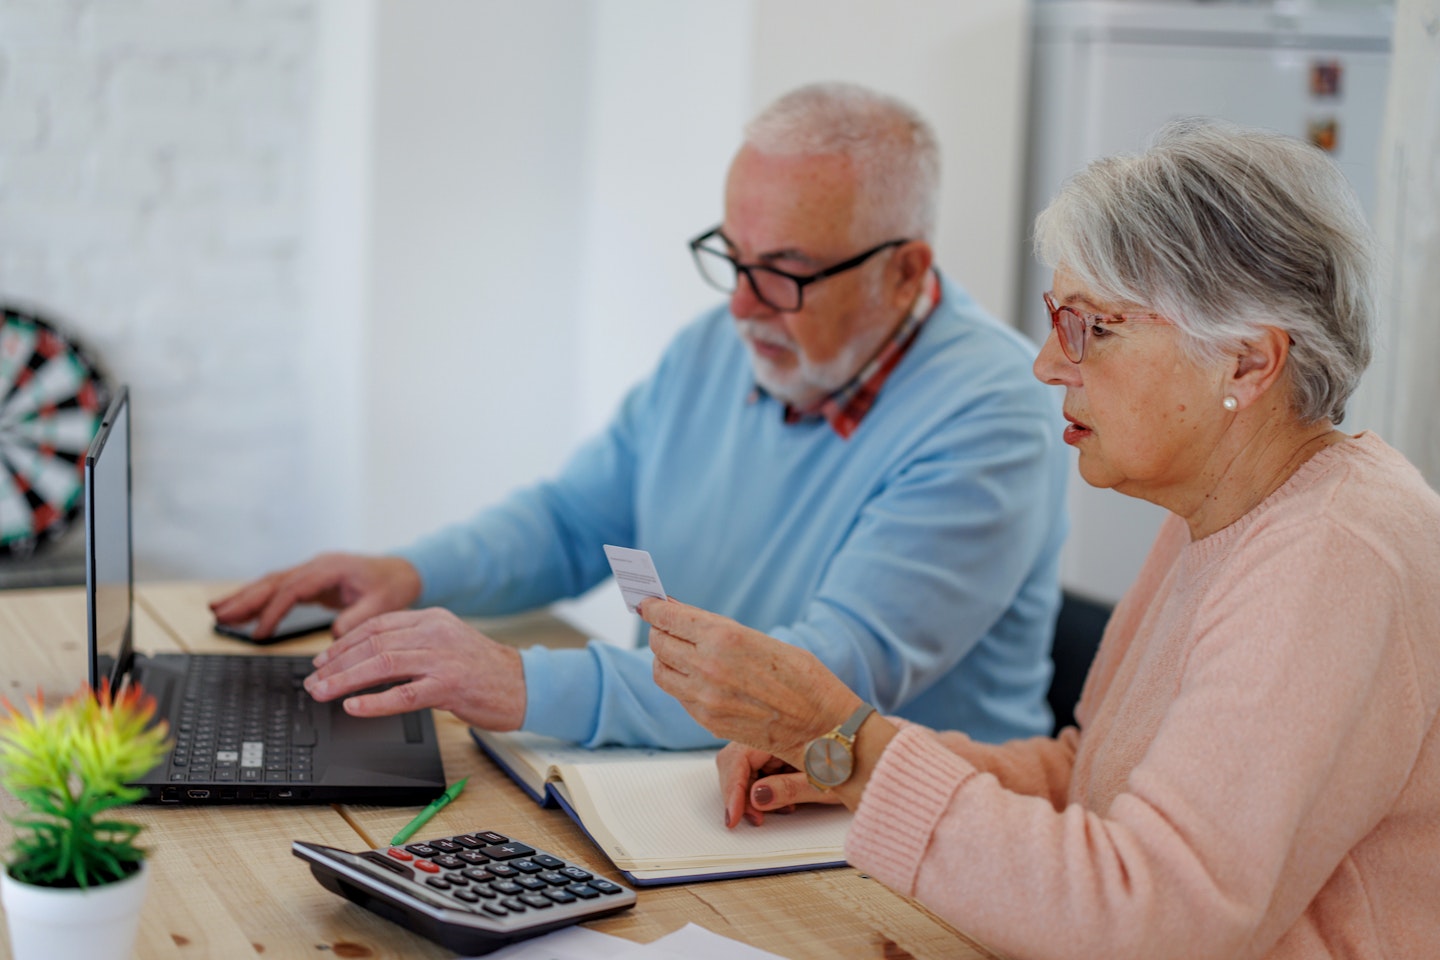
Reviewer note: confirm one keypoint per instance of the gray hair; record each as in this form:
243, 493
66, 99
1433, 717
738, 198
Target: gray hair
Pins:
1226, 230
894, 151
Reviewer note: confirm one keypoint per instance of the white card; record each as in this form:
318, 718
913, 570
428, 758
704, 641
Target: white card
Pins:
635, 574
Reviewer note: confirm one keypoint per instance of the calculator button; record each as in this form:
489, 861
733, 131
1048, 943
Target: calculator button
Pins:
399, 854
422, 849
469, 896
526, 866
496, 909
575, 873
467, 841
446, 846
536, 900
489, 837
560, 896
553, 878
507, 851
449, 862
604, 886
548, 862
478, 875
459, 879
470, 856
583, 890
507, 887
532, 883
502, 870
439, 883
427, 866
513, 905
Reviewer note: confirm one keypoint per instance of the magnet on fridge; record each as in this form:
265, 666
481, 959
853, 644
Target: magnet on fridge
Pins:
1325, 78
1324, 132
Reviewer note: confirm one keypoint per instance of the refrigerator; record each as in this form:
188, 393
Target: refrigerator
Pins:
1107, 73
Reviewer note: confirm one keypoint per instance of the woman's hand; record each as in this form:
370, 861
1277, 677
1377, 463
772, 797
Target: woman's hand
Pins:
753, 782
742, 685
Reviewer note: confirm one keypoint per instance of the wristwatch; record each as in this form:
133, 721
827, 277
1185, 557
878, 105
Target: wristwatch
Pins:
830, 759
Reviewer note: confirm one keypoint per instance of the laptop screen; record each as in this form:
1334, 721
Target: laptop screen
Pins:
109, 583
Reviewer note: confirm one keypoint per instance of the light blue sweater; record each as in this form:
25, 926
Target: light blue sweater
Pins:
918, 559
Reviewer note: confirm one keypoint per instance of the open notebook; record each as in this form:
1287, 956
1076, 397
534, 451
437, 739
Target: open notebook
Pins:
657, 813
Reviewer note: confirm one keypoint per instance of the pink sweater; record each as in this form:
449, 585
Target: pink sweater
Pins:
1259, 772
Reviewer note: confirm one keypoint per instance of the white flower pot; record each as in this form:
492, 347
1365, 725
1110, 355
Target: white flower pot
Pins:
54, 923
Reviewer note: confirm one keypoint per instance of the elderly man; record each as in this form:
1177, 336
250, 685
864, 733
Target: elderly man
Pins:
852, 457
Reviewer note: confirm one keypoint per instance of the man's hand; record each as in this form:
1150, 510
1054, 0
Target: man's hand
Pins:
358, 586
434, 658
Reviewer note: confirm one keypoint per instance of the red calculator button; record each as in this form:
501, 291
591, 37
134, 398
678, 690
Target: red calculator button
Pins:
399, 854
427, 866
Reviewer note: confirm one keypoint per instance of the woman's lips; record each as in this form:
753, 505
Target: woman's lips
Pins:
1075, 431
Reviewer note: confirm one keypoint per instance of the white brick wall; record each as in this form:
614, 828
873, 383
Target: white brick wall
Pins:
151, 162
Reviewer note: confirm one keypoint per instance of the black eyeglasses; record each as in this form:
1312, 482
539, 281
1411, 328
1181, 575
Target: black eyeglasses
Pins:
774, 288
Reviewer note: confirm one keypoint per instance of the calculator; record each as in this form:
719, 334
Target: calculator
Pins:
472, 893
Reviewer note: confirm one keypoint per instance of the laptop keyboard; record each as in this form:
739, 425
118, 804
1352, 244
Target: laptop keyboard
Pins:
244, 719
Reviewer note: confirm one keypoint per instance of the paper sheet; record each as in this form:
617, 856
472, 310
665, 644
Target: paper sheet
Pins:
690, 942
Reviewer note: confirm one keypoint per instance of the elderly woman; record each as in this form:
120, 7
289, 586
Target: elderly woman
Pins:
1256, 770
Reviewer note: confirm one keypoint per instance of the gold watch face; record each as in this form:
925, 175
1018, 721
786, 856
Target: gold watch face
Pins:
828, 762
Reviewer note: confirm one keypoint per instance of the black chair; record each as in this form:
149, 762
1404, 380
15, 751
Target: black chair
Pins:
1078, 629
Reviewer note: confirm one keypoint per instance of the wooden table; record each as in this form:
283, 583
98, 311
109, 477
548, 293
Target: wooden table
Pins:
226, 885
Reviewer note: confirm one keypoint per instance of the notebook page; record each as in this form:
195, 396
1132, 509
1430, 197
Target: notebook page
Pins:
667, 813
534, 755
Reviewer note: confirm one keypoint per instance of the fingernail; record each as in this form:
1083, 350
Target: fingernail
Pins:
762, 794
320, 658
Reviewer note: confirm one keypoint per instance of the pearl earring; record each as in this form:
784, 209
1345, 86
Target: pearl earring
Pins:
1230, 403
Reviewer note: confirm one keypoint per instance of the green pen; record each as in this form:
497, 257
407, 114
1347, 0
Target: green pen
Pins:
408, 831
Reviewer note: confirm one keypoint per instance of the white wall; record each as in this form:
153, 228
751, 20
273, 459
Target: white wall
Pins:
150, 194
479, 144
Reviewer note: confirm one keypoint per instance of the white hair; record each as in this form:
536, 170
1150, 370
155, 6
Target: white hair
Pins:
895, 153
1226, 230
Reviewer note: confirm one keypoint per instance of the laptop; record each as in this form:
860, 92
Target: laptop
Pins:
244, 728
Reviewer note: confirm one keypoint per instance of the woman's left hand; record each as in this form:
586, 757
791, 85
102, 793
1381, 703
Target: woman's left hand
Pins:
742, 685
752, 783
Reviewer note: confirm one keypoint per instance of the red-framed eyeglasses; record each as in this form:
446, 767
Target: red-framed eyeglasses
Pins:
1073, 327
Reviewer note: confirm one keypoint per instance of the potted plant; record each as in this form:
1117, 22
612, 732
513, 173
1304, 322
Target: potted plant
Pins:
76, 877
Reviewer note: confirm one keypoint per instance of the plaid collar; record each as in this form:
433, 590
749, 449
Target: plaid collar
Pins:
847, 406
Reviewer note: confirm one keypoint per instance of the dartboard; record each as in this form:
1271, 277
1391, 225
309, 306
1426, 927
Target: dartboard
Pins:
52, 398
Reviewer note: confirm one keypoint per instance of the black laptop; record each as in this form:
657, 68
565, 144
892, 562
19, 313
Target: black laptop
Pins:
245, 730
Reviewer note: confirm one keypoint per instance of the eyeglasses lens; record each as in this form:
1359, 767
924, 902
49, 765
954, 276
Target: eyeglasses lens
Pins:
1072, 333
717, 269
1069, 328
720, 271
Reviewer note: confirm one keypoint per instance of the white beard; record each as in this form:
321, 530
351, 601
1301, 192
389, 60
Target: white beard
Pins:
806, 383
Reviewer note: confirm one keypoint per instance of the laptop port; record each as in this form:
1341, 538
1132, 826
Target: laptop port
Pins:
284, 794
228, 793
197, 794
170, 795
261, 793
